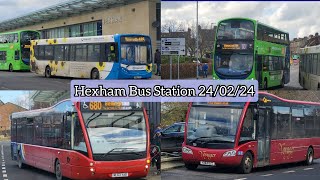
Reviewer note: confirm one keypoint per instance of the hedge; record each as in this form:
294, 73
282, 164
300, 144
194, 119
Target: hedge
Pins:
187, 70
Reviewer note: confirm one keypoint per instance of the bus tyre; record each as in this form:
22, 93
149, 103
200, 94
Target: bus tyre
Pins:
20, 163
95, 74
309, 159
10, 68
246, 163
58, 170
47, 73
191, 166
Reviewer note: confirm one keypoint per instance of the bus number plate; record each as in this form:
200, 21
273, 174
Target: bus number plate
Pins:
115, 175
137, 77
207, 163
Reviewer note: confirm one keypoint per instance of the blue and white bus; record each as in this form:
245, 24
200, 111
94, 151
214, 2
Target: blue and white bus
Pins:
120, 56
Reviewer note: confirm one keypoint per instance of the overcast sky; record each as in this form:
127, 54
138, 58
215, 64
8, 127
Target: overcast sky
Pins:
298, 18
15, 8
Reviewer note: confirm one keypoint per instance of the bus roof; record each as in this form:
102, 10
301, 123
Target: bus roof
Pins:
290, 101
310, 49
255, 21
86, 39
19, 31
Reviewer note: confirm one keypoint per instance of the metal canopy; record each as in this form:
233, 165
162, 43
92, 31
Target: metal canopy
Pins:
50, 96
61, 10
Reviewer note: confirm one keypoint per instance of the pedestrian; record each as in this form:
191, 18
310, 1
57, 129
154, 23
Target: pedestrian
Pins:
205, 70
157, 142
157, 60
200, 69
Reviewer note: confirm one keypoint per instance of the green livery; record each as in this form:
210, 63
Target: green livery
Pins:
15, 50
247, 49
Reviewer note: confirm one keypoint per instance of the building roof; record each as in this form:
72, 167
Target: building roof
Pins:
66, 9
49, 96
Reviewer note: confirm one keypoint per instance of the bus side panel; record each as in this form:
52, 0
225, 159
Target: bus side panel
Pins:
287, 151
110, 71
40, 157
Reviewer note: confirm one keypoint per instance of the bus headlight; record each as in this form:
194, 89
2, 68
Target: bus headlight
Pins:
92, 169
187, 150
229, 153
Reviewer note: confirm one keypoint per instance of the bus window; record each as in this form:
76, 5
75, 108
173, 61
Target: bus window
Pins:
58, 52
17, 55
111, 55
3, 55
81, 53
48, 52
247, 131
94, 53
79, 143
298, 123
282, 116
72, 52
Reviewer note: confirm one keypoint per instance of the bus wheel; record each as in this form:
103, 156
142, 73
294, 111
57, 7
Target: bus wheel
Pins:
246, 163
20, 163
265, 84
47, 72
58, 171
95, 74
309, 159
10, 68
191, 166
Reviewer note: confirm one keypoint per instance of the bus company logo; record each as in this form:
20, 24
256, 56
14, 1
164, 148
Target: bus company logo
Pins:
265, 100
286, 151
206, 155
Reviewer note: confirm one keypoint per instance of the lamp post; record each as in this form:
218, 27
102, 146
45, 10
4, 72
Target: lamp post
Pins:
197, 43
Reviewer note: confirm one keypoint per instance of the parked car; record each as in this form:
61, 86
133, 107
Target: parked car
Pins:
172, 137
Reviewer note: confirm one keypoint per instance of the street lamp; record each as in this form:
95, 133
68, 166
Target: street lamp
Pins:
197, 43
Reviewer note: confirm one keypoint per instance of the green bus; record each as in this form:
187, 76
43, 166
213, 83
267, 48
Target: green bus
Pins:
247, 49
15, 50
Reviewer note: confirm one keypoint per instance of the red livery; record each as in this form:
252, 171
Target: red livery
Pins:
87, 140
248, 135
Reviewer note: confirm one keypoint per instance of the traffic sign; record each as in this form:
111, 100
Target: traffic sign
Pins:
173, 46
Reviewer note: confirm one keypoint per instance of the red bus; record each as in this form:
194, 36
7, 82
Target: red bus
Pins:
249, 135
87, 140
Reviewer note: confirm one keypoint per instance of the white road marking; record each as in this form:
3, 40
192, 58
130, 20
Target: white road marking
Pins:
5, 175
306, 169
4, 171
266, 175
240, 179
3, 167
289, 171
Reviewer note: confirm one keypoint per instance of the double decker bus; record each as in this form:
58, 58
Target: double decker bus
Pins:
120, 56
249, 135
15, 50
309, 67
87, 140
247, 49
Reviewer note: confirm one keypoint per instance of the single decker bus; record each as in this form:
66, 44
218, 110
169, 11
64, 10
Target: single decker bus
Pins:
309, 67
83, 140
247, 49
15, 50
248, 135
120, 56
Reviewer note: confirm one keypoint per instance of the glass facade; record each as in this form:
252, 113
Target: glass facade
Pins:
78, 30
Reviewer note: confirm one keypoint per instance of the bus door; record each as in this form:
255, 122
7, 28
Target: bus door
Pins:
263, 137
259, 70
